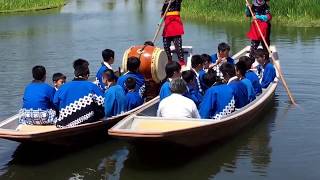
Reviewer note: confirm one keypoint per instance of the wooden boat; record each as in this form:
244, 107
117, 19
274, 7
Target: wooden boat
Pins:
11, 130
144, 127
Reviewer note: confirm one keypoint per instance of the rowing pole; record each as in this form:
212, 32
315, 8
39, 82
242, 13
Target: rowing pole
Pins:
161, 22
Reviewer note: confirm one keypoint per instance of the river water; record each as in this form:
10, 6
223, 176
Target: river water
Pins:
283, 145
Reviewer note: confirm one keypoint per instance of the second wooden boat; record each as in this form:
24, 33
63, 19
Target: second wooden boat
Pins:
11, 130
144, 126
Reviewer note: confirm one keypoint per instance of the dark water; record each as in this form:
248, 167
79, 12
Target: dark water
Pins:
284, 145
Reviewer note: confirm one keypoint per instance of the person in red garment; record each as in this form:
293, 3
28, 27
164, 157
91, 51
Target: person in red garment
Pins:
173, 30
263, 17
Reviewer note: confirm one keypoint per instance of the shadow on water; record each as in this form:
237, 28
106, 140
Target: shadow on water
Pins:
251, 143
93, 161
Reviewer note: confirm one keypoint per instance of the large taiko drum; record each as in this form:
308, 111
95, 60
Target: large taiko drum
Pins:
153, 61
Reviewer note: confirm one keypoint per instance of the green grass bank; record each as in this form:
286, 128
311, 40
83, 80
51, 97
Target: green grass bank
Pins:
304, 13
7, 6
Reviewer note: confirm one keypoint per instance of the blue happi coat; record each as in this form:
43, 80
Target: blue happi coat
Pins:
240, 93
99, 77
204, 87
251, 93
115, 101
133, 100
140, 82
217, 102
38, 95
252, 76
269, 73
194, 94
165, 90
79, 101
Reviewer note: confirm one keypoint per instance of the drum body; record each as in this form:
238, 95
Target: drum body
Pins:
153, 61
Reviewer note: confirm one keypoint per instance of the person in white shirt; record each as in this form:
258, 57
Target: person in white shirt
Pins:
176, 105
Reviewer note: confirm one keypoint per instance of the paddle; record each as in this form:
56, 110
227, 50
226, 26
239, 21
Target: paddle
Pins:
161, 22
272, 56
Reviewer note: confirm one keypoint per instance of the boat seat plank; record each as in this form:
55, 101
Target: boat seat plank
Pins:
36, 128
165, 125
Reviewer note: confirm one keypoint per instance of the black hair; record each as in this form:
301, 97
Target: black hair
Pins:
38, 73
210, 78
58, 76
130, 83
107, 54
228, 69
242, 67
133, 64
223, 47
206, 58
261, 53
188, 76
110, 76
81, 67
171, 68
248, 61
148, 43
196, 60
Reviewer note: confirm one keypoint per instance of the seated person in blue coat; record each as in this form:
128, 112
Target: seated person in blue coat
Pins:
206, 58
79, 101
192, 92
197, 65
221, 57
269, 72
58, 80
239, 88
173, 71
251, 75
37, 108
115, 101
218, 100
108, 60
133, 65
133, 98
241, 69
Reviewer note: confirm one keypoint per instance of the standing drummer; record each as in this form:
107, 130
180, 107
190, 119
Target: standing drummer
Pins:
173, 29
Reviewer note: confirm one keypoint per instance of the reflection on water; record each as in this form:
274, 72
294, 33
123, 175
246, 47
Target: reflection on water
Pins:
280, 146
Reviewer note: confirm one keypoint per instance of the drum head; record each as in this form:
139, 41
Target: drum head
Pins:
158, 65
124, 60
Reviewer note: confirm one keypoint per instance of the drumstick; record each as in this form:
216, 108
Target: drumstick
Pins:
161, 22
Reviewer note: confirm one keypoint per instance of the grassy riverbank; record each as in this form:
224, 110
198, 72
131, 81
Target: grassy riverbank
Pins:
286, 12
28, 5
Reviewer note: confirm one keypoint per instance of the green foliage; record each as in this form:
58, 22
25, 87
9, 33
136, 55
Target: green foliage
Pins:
287, 12
25, 5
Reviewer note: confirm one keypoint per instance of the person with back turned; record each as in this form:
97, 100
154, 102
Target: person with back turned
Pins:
38, 96
79, 101
133, 98
133, 65
115, 101
238, 87
172, 72
176, 105
218, 100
